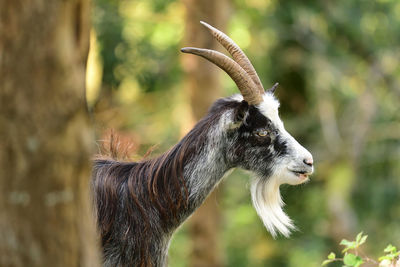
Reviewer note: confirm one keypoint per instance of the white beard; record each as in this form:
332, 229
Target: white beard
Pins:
268, 203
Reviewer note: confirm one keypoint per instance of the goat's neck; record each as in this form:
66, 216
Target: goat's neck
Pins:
204, 172
201, 174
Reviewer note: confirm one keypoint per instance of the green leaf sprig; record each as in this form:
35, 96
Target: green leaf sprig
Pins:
352, 258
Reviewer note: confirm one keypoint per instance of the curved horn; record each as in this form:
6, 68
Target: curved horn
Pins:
233, 69
237, 53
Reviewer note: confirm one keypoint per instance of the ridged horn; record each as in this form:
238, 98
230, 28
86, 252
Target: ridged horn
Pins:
238, 55
233, 69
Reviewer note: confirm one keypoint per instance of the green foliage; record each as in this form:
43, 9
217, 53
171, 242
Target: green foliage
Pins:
134, 46
352, 260
391, 254
352, 254
360, 239
331, 258
337, 65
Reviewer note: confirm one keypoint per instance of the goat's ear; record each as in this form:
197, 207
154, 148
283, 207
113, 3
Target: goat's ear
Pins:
239, 114
241, 111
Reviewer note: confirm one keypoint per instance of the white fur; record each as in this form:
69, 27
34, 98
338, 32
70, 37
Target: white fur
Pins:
202, 175
237, 97
269, 108
268, 203
265, 192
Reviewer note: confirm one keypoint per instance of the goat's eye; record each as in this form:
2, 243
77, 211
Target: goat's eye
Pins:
262, 133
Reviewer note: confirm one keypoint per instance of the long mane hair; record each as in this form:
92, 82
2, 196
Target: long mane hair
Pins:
134, 199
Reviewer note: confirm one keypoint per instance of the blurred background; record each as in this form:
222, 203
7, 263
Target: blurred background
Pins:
337, 63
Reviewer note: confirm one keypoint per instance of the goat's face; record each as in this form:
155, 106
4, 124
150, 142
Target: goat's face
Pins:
261, 144
256, 139
258, 142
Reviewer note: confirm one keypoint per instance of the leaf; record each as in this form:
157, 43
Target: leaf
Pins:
348, 245
390, 249
331, 258
325, 262
363, 239
358, 238
352, 260
387, 257
345, 242
349, 259
390, 256
359, 262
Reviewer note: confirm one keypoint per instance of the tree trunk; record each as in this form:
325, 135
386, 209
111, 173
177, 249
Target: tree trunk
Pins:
45, 139
203, 88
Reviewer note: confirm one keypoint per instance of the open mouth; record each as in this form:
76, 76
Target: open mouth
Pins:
301, 174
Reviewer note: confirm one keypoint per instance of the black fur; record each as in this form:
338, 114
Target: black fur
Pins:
140, 204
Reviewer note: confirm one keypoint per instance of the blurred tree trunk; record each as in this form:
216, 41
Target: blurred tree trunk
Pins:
203, 87
45, 139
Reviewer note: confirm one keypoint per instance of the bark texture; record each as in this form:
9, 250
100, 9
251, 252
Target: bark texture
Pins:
203, 87
45, 139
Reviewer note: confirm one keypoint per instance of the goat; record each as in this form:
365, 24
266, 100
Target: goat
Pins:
140, 204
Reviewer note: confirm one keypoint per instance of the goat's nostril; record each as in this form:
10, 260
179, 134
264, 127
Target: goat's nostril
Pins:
308, 161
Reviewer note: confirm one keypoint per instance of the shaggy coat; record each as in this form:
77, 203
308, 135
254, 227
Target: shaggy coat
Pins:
140, 204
